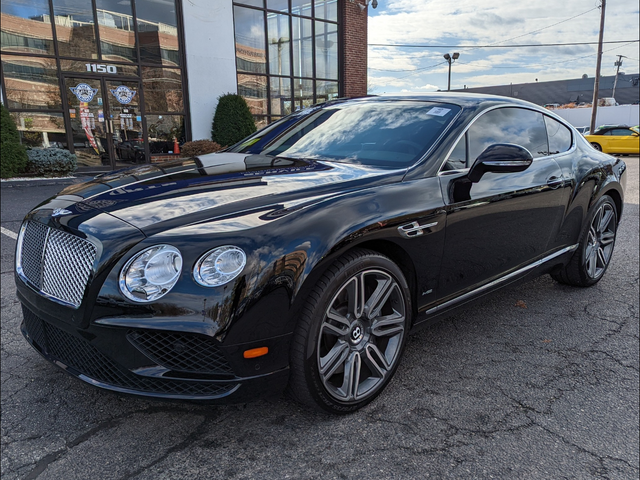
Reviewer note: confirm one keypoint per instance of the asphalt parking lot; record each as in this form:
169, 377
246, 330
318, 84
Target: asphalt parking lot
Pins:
540, 381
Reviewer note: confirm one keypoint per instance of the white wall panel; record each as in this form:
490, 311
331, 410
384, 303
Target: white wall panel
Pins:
211, 61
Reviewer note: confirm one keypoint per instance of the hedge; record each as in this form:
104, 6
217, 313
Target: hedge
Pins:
51, 162
13, 158
232, 121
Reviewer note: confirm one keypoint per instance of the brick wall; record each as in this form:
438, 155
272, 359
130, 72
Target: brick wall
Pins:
354, 44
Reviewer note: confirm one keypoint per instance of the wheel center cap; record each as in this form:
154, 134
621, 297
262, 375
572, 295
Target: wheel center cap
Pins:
357, 333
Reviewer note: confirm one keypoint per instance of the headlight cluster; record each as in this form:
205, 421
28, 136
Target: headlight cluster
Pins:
153, 272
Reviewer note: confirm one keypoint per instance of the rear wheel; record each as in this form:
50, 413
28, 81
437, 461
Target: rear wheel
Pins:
351, 335
596, 146
593, 255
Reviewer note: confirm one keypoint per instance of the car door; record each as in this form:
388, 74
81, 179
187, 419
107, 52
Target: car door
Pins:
622, 141
505, 220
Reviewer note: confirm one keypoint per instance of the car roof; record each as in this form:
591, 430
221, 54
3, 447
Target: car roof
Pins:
473, 100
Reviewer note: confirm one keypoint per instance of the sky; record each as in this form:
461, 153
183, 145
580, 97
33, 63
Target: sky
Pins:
471, 23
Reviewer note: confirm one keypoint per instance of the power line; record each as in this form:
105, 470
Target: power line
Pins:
556, 63
400, 45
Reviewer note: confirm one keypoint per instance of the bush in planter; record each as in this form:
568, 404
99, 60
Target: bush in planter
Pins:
13, 158
232, 121
199, 147
51, 162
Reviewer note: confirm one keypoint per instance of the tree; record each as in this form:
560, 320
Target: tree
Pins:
232, 121
13, 155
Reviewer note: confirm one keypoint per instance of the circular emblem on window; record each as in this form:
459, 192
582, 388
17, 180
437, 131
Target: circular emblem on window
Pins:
84, 92
123, 94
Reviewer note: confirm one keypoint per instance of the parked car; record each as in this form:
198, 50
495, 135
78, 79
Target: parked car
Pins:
302, 257
130, 151
583, 130
615, 139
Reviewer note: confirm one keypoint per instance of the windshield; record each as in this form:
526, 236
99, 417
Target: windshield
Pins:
377, 133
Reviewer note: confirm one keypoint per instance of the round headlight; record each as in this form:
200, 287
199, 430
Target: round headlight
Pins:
219, 266
151, 273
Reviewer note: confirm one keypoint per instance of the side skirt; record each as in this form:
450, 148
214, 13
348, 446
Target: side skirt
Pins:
436, 313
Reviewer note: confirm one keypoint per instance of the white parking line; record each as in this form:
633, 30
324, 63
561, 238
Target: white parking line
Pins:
9, 233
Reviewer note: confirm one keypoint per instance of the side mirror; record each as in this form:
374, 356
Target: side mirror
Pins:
500, 158
635, 134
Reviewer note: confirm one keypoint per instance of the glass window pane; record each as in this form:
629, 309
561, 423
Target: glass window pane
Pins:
26, 27
559, 136
250, 38
303, 93
31, 82
326, 9
260, 121
509, 125
158, 32
301, 7
75, 29
254, 90
280, 96
302, 48
281, 5
82, 66
117, 35
279, 44
326, 50
87, 116
162, 129
41, 129
162, 89
326, 91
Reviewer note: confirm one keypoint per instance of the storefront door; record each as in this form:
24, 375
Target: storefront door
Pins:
106, 123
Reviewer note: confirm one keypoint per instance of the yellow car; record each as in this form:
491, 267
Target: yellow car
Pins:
615, 139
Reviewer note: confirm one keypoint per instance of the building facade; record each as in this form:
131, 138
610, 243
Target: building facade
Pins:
122, 82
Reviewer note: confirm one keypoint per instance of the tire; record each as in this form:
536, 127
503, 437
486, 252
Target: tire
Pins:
347, 346
593, 255
597, 146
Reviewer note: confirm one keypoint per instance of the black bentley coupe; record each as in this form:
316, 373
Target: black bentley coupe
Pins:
302, 257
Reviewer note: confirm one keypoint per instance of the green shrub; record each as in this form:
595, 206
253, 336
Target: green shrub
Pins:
232, 121
13, 158
51, 162
199, 147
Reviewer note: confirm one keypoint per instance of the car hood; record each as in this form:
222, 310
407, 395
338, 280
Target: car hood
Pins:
158, 197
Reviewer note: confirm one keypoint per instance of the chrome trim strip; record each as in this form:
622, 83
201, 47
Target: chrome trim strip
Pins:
554, 116
511, 275
500, 163
414, 229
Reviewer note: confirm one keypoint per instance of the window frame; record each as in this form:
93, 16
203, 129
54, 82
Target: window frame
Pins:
441, 170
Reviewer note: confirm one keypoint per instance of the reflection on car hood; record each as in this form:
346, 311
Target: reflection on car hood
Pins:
157, 197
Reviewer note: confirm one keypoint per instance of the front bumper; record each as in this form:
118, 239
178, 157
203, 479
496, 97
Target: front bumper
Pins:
150, 363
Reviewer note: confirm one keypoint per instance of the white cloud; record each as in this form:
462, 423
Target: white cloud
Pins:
483, 22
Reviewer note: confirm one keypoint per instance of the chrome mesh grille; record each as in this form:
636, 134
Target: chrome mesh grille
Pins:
35, 236
56, 262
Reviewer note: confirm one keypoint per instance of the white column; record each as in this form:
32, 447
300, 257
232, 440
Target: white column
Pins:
211, 60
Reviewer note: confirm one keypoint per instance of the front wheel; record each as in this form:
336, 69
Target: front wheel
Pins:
593, 255
351, 334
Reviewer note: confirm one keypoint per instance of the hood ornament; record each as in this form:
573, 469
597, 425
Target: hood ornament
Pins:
58, 212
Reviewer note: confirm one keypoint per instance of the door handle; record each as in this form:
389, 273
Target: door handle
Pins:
555, 182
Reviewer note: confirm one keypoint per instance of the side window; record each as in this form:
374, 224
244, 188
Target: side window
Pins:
458, 158
509, 125
559, 136
621, 132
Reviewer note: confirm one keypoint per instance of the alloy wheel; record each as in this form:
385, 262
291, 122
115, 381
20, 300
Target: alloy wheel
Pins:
600, 241
361, 336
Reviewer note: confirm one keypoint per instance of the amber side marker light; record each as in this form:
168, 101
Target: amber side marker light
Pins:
256, 352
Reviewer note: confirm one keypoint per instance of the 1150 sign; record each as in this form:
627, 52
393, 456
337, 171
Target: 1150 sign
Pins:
101, 68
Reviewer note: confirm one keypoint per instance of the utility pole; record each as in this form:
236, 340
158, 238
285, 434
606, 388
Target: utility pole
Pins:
596, 83
615, 81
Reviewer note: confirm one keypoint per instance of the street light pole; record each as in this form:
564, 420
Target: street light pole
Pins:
450, 59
